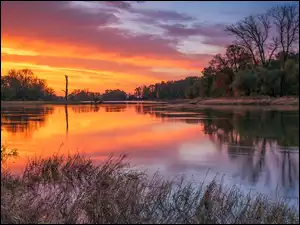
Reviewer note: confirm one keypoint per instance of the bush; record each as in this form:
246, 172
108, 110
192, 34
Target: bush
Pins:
245, 82
271, 81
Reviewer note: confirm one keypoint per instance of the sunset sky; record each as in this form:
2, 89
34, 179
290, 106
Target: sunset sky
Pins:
109, 45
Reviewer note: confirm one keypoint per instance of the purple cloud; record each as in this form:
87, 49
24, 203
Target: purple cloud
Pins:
149, 14
59, 23
180, 30
163, 15
50, 15
213, 34
118, 4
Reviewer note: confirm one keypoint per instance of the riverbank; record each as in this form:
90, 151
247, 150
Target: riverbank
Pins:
58, 102
259, 100
73, 190
181, 103
267, 103
69, 102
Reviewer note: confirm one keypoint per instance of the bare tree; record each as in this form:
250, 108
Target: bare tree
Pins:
286, 21
253, 33
66, 76
66, 90
238, 57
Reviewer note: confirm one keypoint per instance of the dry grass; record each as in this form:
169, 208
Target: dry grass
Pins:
73, 190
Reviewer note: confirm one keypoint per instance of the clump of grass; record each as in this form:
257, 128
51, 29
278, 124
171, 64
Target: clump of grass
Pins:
73, 190
7, 153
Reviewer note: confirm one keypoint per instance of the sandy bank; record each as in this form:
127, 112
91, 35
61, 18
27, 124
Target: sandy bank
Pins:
266, 103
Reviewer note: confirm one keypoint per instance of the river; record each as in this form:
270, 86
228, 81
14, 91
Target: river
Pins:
257, 149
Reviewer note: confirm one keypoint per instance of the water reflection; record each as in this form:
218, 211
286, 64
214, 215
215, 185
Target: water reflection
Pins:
85, 108
258, 148
260, 142
25, 120
67, 119
115, 108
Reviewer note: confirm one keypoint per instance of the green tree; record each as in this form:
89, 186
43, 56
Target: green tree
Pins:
245, 82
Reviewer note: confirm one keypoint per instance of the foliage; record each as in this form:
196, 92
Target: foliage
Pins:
23, 85
245, 82
169, 90
84, 95
114, 95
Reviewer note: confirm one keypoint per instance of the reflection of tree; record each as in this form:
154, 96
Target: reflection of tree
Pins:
85, 108
278, 126
239, 127
67, 119
148, 109
115, 108
256, 139
286, 167
24, 119
143, 109
254, 163
289, 170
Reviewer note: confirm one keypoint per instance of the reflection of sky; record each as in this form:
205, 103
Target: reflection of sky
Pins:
172, 146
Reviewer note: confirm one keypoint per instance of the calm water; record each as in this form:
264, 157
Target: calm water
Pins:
257, 149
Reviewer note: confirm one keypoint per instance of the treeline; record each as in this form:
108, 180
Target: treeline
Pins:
108, 95
24, 85
263, 60
232, 74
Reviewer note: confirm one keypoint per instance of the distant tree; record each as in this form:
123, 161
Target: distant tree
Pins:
114, 95
84, 95
23, 85
138, 92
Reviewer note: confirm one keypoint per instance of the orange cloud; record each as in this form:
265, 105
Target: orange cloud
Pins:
54, 38
17, 45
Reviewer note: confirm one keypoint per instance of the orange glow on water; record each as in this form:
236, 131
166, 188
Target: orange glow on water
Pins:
96, 134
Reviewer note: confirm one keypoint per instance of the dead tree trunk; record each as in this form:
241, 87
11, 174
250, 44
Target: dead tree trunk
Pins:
66, 91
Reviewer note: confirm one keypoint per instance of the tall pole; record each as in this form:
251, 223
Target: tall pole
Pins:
66, 91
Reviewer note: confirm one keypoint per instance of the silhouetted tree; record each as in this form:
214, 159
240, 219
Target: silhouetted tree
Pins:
23, 85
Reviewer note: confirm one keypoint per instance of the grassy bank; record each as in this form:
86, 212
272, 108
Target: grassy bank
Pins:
73, 190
